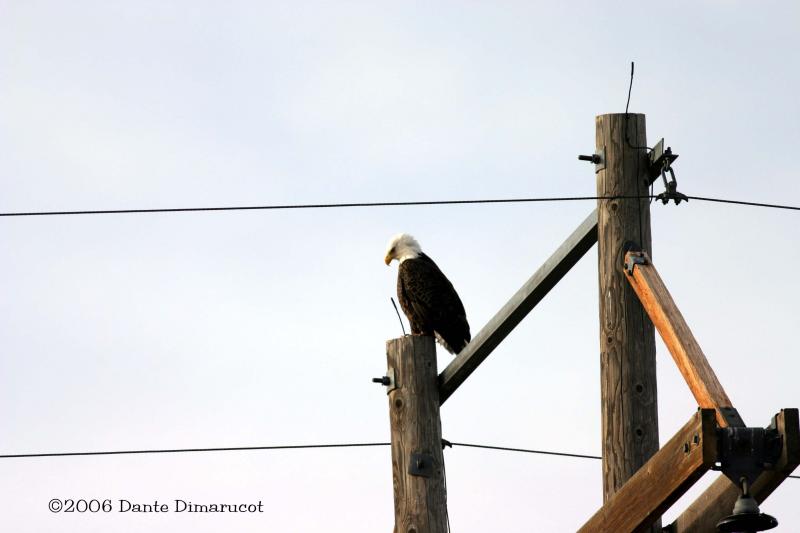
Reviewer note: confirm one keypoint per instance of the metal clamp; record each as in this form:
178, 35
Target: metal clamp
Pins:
658, 158
633, 259
746, 452
660, 163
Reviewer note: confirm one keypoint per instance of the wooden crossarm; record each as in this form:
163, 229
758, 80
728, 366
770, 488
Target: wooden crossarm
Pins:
718, 499
668, 320
661, 480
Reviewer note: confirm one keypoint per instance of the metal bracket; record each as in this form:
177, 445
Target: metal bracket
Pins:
731, 416
392, 385
634, 259
387, 381
660, 164
421, 464
601, 164
658, 158
599, 159
746, 452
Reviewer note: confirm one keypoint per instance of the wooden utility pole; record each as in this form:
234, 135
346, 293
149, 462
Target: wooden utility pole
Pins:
420, 500
627, 338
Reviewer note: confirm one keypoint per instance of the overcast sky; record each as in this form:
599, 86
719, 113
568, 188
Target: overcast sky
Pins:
264, 327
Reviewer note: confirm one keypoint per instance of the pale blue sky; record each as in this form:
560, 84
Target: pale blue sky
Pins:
260, 328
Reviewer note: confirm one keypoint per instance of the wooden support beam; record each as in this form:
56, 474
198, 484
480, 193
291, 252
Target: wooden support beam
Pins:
420, 499
627, 338
661, 481
680, 341
512, 313
718, 499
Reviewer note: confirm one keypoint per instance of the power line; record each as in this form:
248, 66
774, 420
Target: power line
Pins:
278, 207
741, 202
283, 447
193, 450
294, 447
313, 206
503, 448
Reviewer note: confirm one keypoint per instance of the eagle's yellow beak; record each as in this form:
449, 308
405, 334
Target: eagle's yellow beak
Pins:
387, 259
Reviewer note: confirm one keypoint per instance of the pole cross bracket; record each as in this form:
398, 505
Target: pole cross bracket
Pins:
660, 159
746, 452
632, 259
421, 464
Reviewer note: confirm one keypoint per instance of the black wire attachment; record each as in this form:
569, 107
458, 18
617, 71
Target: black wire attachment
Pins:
402, 327
661, 163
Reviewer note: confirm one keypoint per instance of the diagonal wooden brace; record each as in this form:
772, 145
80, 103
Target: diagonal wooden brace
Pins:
668, 320
717, 501
518, 307
661, 480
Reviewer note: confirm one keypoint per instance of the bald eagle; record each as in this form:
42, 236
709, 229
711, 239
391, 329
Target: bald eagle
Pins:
426, 295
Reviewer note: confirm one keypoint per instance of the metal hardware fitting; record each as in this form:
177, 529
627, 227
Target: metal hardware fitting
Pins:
598, 159
660, 163
387, 381
658, 157
731, 416
633, 259
746, 452
421, 465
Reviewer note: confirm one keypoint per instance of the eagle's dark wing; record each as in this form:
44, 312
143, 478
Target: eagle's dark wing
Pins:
431, 303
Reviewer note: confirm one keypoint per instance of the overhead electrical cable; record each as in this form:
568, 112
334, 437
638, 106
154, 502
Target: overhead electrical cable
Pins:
293, 447
277, 207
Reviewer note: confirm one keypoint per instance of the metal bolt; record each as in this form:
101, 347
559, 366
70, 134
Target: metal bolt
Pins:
385, 381
594, 158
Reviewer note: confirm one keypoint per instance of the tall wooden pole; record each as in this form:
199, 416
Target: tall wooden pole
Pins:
627, 338
420, 501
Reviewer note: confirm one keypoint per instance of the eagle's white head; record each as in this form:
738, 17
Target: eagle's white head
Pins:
402, 246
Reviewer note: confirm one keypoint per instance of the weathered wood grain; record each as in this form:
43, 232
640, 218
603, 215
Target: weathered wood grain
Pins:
518, 307
661, 481
678, 337
718, 499
627, 338
420, 503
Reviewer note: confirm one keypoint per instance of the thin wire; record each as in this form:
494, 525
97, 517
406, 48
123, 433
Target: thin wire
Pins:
192, 450
293, 447
402, 327
506, 449
627, 140
284, 447
741, 202
444, 482
310, 206
385, 204
630, 86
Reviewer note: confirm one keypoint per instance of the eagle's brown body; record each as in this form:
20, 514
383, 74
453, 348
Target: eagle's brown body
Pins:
431, 303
